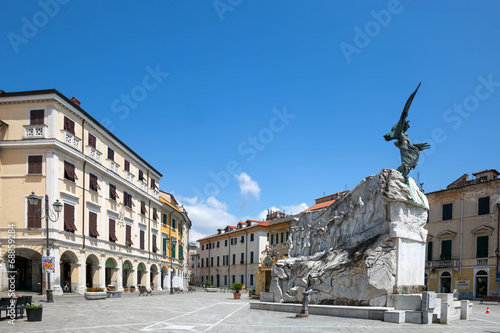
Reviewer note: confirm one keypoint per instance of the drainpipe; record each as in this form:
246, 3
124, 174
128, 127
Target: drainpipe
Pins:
461, 228
149, 232
246, 259
229, 261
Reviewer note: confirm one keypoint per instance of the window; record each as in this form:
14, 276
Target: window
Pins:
112, 230
127, 200
155, 249
233, 278
202, 247
164, 220
112, 192
201, 262
272, 238
33, 221
69, 171
242, 278
251, 237
242, 261
429, 251
234, 258
218, 261
206, 262
69, 218
251, 279
94, 186
212, 261
482, 247
251, 257
111, 154
287, 236
92, 141
153, 184
483, 206
225, 242
35, 165
37, 117
225, 280
242, 239
282, 237
126, 166
173, 250
173, 223
141, 239
155, 214
268, 237
446, 249
447, 212
93, 225
218, 244
128, 235
141, 175
143, 207
69, 125
165, 248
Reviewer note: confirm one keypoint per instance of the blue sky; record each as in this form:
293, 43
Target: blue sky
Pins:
246, 105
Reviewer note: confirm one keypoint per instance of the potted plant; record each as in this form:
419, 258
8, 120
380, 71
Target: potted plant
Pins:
251, 292
132, 289
95, 293
111, 288
209, 287
125, 289
34, 312
237, 288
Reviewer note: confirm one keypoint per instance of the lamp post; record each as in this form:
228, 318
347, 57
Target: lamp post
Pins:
33, 200
174, 242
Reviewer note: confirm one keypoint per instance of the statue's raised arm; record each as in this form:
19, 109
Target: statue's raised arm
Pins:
409, 153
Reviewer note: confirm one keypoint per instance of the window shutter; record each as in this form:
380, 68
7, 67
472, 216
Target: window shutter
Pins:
36, 117
69, 125
143, 207
482, 247
93, 182
128, 231
429, 251
141, 236
164, 246
92, 140
155, 249
35, 164
69, 218
446, 249
93, 224
155, 213
483, 206
33, 221
111, 154
141, 175
112, 231
69, 170
127, 166
112, 192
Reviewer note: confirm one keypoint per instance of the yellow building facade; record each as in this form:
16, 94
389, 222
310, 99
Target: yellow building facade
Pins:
109, 230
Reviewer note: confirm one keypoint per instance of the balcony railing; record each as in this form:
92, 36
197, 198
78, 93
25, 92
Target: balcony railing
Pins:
113, 166
143, 185
71, 139
450, 263
94, 153
35, 131
129, 176
482, 262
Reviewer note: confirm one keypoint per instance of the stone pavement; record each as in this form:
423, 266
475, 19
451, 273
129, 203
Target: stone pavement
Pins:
211, 312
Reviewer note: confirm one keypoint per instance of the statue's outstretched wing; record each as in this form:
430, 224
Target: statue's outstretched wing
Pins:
404, 114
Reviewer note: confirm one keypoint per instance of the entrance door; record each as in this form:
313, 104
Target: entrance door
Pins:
481, 284
23, 276
445, 282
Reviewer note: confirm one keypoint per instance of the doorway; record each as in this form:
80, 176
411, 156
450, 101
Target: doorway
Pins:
481, 283
445, 283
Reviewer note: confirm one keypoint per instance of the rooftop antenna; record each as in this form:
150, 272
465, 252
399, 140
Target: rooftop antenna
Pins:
420, 185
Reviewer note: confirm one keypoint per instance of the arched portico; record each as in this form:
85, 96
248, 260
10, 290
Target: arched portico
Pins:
69, 272
28, 267
153, 276
92, 271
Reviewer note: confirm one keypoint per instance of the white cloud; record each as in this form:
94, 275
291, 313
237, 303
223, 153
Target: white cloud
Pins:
248, 186
206, 217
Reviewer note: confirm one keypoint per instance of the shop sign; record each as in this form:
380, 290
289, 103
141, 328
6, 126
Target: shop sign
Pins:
434, 276
462, 284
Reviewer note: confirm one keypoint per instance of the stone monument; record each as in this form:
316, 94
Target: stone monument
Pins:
368, 244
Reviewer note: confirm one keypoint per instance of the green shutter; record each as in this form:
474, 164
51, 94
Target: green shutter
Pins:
482, 247
446, 249
429, 251
164, 246
181, 253
173, 251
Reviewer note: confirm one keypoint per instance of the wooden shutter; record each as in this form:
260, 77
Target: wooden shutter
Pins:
112, 231
112, 192
93, 225
141, 239
126, 166
446, 249
155, 214
92, 140
128, 235
69, 218
483, 206
35, 164
141, 175
36, 117
429, 251
155, 249
33, 221
164, 246
482, 247
69, 171
69, 125
143, 207
94, 185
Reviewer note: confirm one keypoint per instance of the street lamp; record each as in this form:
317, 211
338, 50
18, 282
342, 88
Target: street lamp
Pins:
174, 242
33, 200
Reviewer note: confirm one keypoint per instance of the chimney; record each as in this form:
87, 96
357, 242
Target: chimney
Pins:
75, 101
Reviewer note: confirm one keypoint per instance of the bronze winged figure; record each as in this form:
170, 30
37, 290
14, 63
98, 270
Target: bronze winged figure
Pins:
409, 152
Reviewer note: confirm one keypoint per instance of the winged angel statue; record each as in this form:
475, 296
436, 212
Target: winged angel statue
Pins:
409, 152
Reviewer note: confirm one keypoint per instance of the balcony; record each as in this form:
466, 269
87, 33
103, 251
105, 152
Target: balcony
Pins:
113, 166
94, 154
143, 185
129, 176
482, 262
449, 263
35, 131
71, 139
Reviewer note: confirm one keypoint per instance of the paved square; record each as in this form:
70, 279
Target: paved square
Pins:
212, 312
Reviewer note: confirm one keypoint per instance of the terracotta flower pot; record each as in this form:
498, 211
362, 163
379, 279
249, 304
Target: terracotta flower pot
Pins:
237, 295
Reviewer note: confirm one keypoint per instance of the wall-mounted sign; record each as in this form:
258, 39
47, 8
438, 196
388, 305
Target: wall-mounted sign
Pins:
434, 276
462, 284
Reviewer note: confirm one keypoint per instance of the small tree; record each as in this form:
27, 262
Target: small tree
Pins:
237, 287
